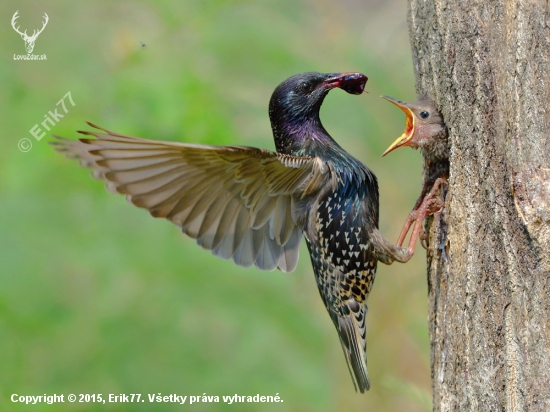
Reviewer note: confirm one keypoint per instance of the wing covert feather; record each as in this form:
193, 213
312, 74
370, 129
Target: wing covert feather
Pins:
235, 201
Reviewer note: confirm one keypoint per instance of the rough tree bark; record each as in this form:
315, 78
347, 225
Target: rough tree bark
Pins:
487, 65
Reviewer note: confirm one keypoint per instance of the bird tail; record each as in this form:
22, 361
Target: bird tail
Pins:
352, 337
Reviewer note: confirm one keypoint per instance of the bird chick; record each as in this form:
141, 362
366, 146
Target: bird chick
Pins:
253, 205
424, 130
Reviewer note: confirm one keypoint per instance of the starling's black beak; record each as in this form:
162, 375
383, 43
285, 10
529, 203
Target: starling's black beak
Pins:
407, 135
353, 83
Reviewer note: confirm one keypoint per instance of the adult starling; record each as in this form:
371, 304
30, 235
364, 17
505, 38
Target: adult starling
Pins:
253, 205
424, 130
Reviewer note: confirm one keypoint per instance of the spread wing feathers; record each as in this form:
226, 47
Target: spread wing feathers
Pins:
235, 201
352, 332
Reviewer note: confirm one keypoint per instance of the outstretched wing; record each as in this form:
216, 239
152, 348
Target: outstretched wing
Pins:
235, 201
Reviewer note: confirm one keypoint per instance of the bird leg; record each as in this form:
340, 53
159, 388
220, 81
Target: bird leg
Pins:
425, 206
412, 216
386, 252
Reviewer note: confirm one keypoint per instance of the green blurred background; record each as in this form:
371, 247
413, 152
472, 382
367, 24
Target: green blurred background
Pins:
98, 297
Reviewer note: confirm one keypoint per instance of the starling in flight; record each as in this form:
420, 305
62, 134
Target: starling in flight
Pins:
424, 130
253, 205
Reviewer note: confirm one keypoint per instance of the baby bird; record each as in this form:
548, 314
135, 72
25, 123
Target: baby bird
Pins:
424, 130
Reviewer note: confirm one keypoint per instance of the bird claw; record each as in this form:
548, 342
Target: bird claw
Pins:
423, 238
429, 205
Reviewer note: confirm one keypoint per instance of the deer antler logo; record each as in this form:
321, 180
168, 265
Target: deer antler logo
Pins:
29, 40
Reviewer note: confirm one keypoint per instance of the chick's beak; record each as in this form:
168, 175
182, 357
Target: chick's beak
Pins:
406, 137
351, 82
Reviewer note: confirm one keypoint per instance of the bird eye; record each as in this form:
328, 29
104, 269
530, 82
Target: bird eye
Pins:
305, 87
424, 114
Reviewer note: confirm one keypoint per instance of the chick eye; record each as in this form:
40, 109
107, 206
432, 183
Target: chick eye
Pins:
305, 87
424, 114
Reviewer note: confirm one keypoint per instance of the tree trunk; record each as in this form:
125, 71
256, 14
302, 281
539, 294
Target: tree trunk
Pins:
487, 65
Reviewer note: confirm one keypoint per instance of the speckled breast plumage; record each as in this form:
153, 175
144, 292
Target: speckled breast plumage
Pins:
342, 255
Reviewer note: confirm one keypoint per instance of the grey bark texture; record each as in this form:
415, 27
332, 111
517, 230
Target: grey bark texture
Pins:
487, 65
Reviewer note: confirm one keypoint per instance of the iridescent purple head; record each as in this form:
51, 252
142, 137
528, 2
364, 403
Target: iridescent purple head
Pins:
295, 103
